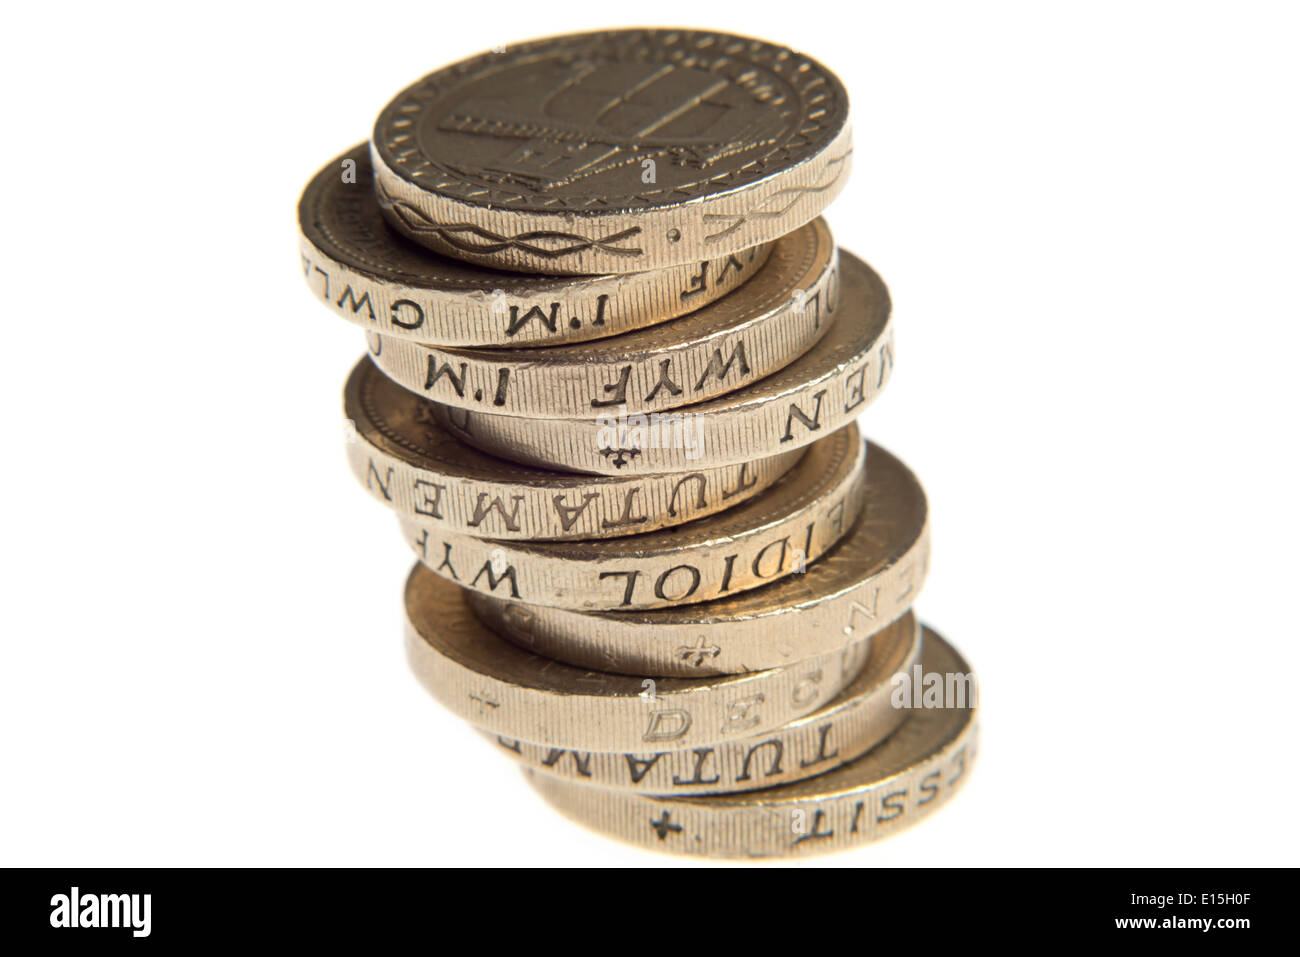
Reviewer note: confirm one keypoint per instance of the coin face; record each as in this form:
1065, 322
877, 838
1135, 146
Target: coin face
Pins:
372, 276
618, 150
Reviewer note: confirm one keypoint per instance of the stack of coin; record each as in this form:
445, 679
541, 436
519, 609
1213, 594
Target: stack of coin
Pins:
615, 366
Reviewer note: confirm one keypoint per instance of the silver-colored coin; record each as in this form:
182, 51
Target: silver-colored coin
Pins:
775, 534
915, 771
503, 689
862, 584
857, 720
760, 328
400, 453
374, 277
616, 151
829, 385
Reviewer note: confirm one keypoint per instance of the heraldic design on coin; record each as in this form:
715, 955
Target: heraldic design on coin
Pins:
613, 151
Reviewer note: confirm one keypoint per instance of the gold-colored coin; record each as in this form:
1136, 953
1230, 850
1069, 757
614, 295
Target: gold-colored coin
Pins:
765, 325
503, 689
400, 453
891, 787
863, 583
859, 719
371, 276
829, 385
774, 534
613, 151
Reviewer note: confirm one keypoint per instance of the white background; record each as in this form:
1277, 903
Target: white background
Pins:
1087, 214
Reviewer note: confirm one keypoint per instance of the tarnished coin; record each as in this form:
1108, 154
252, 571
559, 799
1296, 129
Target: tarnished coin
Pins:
894, 785
864, 582
506, 690
777, 533
400, 453
860, 718
616, 151
760, 328
376, 278
829, 385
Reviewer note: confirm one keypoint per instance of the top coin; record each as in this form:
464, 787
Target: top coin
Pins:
614, 151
